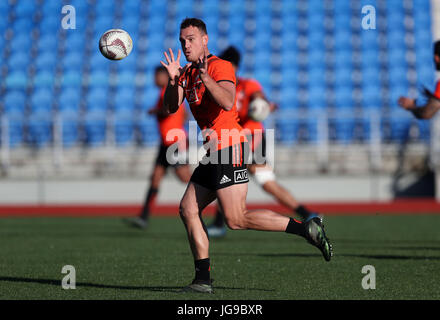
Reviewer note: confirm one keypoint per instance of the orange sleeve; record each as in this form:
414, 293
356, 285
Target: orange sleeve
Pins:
223, 71
437, 90
253, 86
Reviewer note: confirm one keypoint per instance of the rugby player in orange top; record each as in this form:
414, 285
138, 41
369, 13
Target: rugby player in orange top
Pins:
247, 90
428, 110
166, 122
208, 84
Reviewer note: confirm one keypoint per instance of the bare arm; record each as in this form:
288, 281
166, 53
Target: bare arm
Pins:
223, 92
426, 111
174, 94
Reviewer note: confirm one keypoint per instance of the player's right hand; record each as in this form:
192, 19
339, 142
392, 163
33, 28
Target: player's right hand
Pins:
173, 67
406, 103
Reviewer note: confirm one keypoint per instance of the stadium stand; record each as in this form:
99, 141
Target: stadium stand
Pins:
310, 55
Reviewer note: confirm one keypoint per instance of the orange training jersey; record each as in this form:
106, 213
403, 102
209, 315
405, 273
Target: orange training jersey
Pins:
246, 88
209, 115
437, 90
171, 121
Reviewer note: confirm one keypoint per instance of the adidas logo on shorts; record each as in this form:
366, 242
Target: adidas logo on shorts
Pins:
224, 179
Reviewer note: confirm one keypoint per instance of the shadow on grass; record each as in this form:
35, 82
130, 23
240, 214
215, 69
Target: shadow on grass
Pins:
172, 289
369, 256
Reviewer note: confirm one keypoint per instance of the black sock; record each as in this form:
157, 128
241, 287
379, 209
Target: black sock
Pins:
149, 200
303, 212
219, 220
296, 227
203, 268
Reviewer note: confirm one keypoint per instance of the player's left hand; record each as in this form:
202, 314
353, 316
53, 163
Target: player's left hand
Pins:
202, 65
273, 107
406, 103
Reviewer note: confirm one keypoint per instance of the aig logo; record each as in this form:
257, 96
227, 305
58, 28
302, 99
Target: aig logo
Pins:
241, 175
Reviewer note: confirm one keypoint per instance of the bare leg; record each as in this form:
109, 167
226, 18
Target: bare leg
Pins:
233, 203
183, 173
195, 199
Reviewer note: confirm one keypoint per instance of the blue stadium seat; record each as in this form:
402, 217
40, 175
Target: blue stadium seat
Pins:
125, 99
47, 44
371, 95
70, 127
99, 78
344, 96
149, 98
97, 99
126, 78
316, 95
95, 124
105, 8
23, 26
102, 24
425, 76
14, 102
398, 75
397, 126
286, 130
25, 8
16, 80
22, 43
50, 6
19, 61
72, 78
124, 127
40, 128
50, 23
73, 60
44, 78
147, 127
343, 76
69, 99
46, 61
41, 100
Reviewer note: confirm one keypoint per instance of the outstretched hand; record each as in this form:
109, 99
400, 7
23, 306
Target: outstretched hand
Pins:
173, 67
406, 103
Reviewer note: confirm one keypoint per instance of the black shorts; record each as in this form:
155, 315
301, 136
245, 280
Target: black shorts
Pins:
232, 170
161, 158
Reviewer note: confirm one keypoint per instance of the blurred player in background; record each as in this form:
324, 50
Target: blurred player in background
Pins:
166, 122
247, 90
428, 110
208, 84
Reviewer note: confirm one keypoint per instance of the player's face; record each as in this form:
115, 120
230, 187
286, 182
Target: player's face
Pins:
193, 43
161, 79
437, 62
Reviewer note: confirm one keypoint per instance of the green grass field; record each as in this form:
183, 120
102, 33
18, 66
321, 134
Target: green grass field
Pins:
113, 261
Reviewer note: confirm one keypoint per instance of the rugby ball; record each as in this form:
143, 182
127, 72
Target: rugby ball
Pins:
115, 44
259, 109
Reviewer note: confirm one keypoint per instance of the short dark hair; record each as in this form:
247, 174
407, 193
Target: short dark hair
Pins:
160, 68
437, 48
194, 22
232, 55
